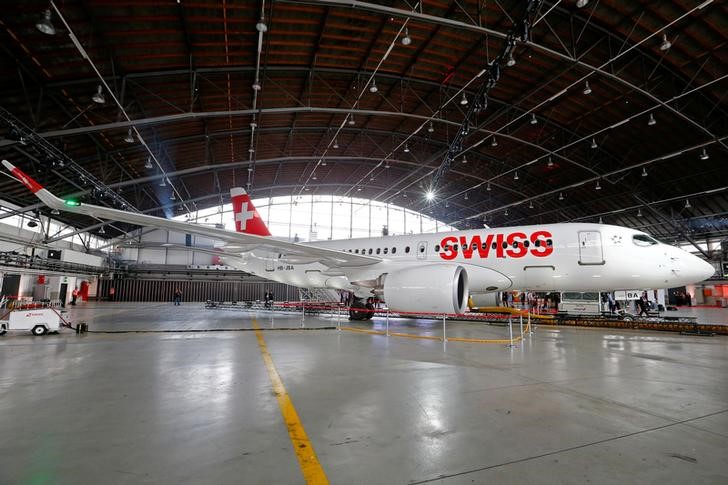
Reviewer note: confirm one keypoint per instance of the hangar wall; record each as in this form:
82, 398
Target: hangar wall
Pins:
151, 290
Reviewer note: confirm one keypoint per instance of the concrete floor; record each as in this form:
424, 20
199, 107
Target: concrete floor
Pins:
568, 405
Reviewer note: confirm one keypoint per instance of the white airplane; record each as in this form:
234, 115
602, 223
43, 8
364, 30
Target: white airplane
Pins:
433, 273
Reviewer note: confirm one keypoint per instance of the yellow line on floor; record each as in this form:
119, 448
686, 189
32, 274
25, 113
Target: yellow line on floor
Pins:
307, 460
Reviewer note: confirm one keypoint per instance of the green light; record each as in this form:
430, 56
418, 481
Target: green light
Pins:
71, 202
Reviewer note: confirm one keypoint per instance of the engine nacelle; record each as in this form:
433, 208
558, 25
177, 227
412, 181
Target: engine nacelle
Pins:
432, 288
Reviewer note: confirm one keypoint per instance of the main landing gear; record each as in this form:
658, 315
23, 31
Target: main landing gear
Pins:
360, 310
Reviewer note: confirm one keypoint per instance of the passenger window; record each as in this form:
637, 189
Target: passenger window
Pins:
370, 250
537, 243
437, 248
378, 250
356, 251
407, 249
386, 250
505, 245
422, 249
515, 244
455, 247
526, 244
394, 250
549, 242
484, 246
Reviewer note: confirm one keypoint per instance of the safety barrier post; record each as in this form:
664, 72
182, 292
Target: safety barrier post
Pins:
387, 332
338, 317
510, 330
303, 313
522, 325
444, 334
529, 324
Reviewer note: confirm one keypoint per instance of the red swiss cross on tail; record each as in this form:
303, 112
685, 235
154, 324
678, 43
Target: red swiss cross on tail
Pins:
247, 219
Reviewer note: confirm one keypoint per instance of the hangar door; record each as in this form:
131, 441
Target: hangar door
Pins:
590, 247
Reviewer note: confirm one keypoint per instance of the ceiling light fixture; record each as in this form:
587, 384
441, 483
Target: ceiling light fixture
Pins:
666, 44
386, 165
430, 195
431, 128
102, 230
352, 121
336, 143
561, 196
464, 100
256, 86
323, 163
406, 148
44, 24
406, 40
129, 136
598, 186
163, 183
581, 3
149, 163
644, 172
687, 204
466, 196
652, 121
587, 88
515, 176
550, 163
704, 154
534, 120
505, 213
173, 197
98, 96
494, 142
55, 212
530, 204
511, 61
261, 26
464, 160
639, 212
487, 187
373, 87
594, 143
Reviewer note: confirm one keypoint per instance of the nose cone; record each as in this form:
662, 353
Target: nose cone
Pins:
699, 269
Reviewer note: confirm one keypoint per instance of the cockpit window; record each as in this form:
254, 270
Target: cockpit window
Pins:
643, 240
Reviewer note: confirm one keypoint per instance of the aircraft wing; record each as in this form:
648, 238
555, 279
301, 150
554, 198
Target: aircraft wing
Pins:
235, 241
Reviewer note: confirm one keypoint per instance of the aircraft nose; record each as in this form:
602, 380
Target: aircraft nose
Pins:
699, 269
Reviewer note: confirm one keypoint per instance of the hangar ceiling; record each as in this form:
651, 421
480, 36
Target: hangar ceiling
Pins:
612, 110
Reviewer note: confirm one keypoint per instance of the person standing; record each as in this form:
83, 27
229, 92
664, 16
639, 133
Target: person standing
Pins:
112, 293
74, 296
177, 296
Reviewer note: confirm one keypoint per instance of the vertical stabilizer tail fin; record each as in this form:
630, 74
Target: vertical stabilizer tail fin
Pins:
247, 219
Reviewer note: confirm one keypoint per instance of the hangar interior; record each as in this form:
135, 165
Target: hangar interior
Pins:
343, 120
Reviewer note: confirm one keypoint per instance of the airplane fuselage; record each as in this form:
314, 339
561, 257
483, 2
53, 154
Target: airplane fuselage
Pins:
565, 257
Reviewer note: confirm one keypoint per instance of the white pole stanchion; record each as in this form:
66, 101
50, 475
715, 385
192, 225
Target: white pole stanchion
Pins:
387, 331
303, 314
529, 324
444, 333
522, 325
510, 329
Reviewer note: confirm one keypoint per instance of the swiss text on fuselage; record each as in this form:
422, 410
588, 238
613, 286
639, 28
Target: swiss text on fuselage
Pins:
513, 245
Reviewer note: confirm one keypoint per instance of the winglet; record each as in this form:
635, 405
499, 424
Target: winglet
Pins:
32, 185
247, 219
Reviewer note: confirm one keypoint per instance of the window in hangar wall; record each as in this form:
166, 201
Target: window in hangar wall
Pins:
322, 217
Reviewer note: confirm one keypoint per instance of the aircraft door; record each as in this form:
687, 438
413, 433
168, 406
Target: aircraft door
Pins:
590, 247
422, 250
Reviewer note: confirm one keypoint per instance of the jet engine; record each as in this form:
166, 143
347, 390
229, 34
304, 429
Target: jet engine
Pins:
432, 288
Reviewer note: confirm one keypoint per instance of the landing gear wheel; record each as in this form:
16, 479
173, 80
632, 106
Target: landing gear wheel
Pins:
358, 311
39, 330
370, 311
